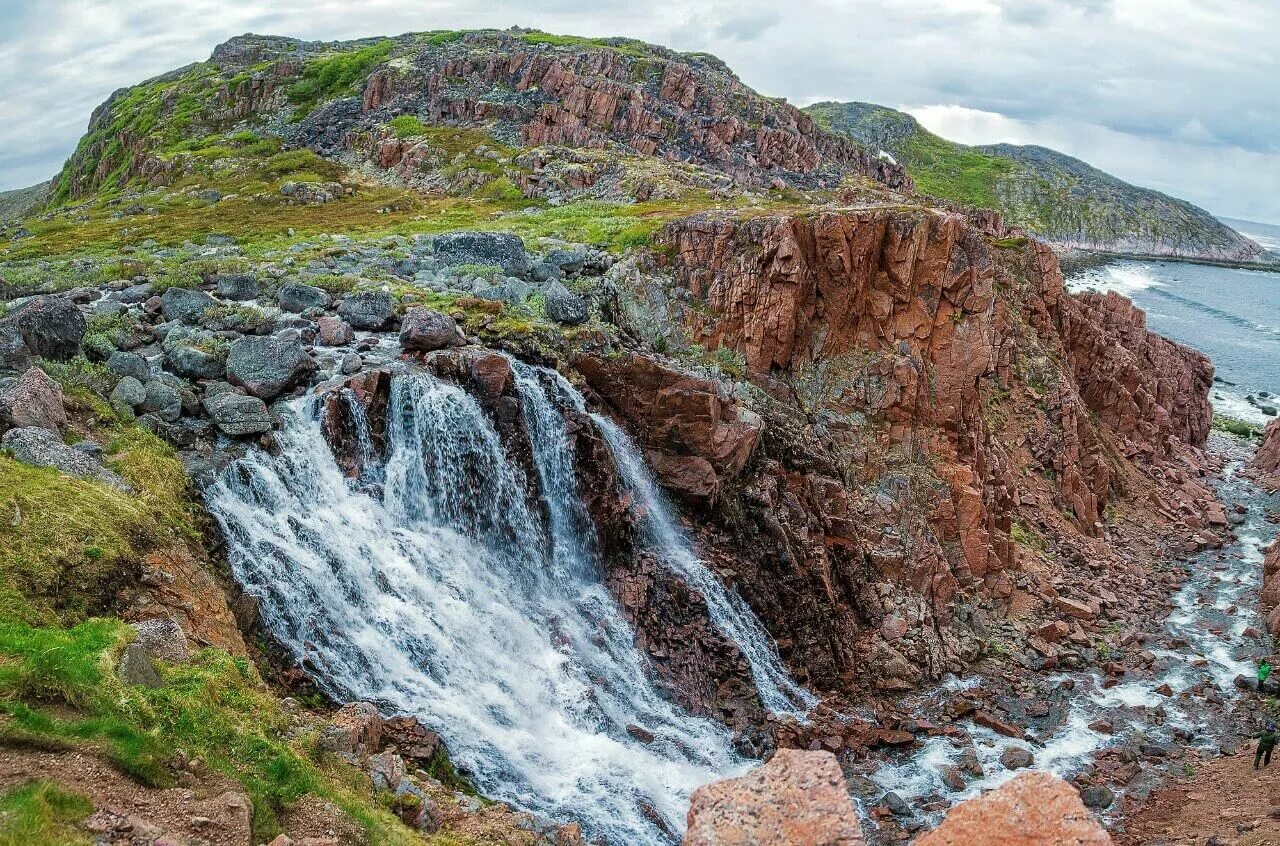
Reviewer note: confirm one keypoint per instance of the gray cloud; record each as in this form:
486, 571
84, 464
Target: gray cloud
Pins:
1181, 91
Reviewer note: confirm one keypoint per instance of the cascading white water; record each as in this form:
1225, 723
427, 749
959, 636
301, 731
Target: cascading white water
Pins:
443, 594
727, 610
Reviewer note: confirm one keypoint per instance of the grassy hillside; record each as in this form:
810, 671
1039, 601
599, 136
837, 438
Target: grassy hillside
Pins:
1054, 195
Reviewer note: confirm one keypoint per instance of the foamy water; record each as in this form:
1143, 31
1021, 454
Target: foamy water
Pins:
431, 587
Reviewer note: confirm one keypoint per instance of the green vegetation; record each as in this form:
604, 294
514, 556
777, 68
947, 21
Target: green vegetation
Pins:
626, 46
41, 814
66, 543
57, 690
1028, 538
334, 76
407, 126
952, 171
1235, 426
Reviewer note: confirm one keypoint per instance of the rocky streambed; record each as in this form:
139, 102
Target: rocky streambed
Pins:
1156, 706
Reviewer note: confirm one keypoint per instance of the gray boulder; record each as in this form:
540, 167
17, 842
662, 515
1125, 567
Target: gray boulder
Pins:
136, 669
162, 639
237, 286
14, 355
268, 366
50, 327
163, 400
129, 364
194, 363
492, 248
44, 448
186, 305
543, 272
237, 414
426, 330
129, 393
564, 306
32, 399
569, 262
368, 309
297, 298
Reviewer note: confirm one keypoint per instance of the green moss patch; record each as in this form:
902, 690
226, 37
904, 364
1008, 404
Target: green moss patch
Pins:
42, 814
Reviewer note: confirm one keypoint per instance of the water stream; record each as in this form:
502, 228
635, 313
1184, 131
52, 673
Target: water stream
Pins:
442, 590
1211, 612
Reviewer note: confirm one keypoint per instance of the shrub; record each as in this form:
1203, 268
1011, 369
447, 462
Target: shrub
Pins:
407, 126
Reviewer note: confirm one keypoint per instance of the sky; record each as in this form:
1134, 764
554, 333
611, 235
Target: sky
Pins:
1178, 95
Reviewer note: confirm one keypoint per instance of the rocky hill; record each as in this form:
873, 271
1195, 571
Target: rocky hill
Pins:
336, 376
1055, 196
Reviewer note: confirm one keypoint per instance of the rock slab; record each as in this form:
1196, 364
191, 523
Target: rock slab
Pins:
1034, 809
798, 798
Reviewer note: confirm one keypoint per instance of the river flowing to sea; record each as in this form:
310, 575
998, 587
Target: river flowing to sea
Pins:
1233, 316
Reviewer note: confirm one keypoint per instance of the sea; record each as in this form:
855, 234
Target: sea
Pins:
1231, 315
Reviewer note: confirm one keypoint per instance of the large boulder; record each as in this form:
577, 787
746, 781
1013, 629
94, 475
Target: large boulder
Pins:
564, 306
129, 364
14, 355
193, 355
50, 327
236, 414
427, 330
368, 309
237, 286
163, 400
44, 448
798, 798
32, 399
297, 298
1034, 809
496, 249
186, 305
268, 366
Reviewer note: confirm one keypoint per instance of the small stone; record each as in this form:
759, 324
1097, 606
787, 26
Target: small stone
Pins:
1016, 758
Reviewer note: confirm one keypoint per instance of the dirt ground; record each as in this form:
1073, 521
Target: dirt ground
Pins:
125, 812
1226, 803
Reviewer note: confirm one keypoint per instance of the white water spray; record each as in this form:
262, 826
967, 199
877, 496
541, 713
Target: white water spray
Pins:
443, 594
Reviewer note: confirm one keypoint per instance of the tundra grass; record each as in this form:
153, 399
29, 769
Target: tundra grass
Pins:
40, 813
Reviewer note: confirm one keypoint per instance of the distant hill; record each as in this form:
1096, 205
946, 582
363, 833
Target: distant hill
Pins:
1060, 198
19, 202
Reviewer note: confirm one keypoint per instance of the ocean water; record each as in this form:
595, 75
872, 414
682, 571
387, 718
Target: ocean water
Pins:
1231, 315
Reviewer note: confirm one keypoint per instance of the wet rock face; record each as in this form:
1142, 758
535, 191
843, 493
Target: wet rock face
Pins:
796, 798
1034, 809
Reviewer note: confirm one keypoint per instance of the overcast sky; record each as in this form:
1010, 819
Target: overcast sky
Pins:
1178, 95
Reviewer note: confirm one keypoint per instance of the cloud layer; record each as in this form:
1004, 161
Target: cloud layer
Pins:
1178, 95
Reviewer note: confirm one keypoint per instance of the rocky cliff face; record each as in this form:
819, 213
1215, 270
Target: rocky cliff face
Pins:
549, 95
1055, 196
926, 413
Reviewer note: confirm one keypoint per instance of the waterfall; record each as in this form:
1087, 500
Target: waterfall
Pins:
443, 594
727, 610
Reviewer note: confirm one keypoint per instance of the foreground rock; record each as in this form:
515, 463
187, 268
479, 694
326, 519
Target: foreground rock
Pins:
43, 448
797, 799
32, 399
49, 327
1034, 809
266, 367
